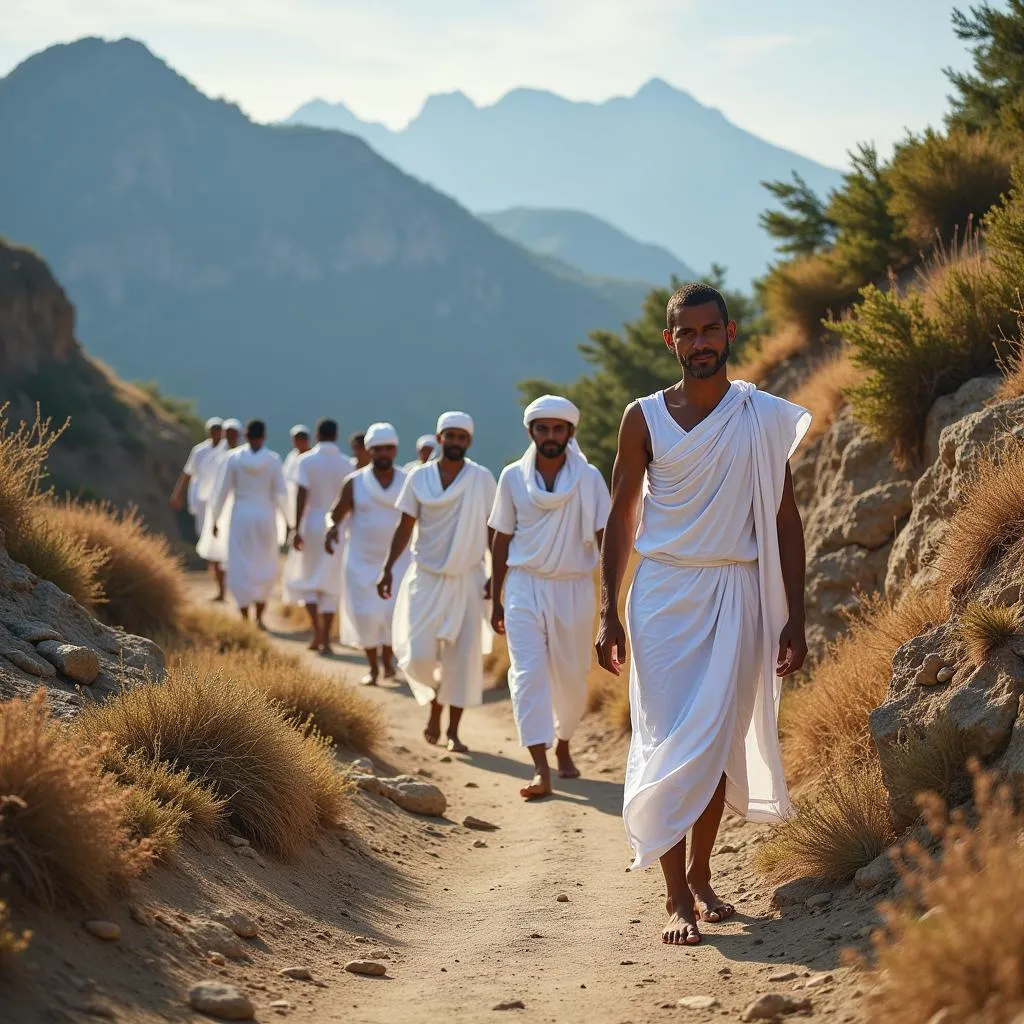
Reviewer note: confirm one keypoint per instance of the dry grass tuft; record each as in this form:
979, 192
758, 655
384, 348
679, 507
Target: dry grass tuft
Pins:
12, 942
608, 695
826, 721
758, 363
928, 759
823, 391
1011, 367
805, 291
159, 824
202, 629
143, 586
988, 522
279, 785
985, 628
845, 826
957, 947
62, 833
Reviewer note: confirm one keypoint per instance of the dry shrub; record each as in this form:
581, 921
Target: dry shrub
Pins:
161, 825
338, 710
143, 586
824, 389
989, 519
826, 721
985, 628
804, 291
760, 360
279, 785
1011, 368
957, 945
845, 826
30, 534
608, 695
62, 832
293, 615
203, 629
12, 942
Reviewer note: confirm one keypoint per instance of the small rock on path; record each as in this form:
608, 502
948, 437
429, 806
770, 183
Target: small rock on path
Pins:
107, 930
224, 1002
296, 973
370, 968
479, 824
772, 1005
697, 1003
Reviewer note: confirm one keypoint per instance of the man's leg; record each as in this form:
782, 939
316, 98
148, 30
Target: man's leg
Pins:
220, 576
388, 658
245, 612
326, 625
569, 619
432, 733
370, 679
698, 873
681, 929
540, 784
454, 743
314, 621
261, 607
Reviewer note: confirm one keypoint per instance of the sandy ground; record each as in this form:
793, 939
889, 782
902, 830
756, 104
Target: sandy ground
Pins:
462, 927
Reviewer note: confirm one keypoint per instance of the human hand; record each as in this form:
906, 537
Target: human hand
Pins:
498, 618
611, 644
297, 542
330, 539
792, 649
384, 584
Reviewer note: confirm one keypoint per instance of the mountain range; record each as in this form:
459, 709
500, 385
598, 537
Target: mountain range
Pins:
657, 165
277, 271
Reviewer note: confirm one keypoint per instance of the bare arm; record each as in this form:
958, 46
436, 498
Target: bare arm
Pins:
341, 509
489, 582
631, 461
398, 544
792, 642
301, 497
499, 568
178, 494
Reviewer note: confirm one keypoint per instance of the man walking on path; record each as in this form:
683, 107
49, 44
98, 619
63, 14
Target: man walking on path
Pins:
367, 504
213, 547
426, 449
548, 519
299, 435
715, 613
253, 482
189, 481
315, 581
439, 623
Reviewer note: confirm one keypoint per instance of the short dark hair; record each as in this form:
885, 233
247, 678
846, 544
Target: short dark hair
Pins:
695, 293
255, 429
359, 439
327, 430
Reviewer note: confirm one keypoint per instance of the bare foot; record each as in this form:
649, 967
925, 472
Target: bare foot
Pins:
566, 768
432, 733
370, 679
314, 644
539, 787
681, 928
326, 651
218, 599
707, 906
456, 746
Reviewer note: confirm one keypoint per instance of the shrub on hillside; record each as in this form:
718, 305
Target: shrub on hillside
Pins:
12, 942
279, 785
805, 291
824, 389
143, 586
762, 358
202, 629
62, 832
942, 183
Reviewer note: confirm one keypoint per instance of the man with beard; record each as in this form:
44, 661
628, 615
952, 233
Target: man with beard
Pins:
316, 582
252, 479
213, 546
715, 613
548, 519
368, 501
439, 612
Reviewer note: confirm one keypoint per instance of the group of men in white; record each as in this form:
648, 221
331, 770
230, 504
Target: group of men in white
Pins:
701, 492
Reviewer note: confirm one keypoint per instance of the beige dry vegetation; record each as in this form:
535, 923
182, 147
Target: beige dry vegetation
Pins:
203, 629
758, 363
805, 291
12, 941
985, 628
956, 945
62, 820
1011, 368
823, 390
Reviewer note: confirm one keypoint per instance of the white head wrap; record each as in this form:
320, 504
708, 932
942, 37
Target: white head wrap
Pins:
299, 428
213, 421
426, 441
233, 424
378, 434
551, 407
455, 421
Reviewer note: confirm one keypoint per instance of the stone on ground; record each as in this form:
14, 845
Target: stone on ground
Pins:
363, 765
415, 796
479, 824
880, 872
697, 1003
368, 967
296, 973
212, 936
772, 1005
224, 1002
107, 930
79, 664
510, 1004
241, 924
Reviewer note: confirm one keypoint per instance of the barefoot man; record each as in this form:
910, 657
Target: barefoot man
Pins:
187, 488
439, 612
715, 613
319, 475
548, 519
368, 500
253, 481
213, 547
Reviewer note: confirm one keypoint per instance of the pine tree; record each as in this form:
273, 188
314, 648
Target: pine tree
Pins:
802, 226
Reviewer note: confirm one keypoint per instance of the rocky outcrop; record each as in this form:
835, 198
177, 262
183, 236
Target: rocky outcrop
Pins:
48, 639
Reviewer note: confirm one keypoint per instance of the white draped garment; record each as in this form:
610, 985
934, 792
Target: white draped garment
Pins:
704, 615
253, 483
198, 457
366, 622
440, 632
214, 549
549, 590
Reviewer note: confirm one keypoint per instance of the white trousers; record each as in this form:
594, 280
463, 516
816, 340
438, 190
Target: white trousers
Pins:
549, 624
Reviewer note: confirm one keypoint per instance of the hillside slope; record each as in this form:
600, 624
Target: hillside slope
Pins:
658, 165
283, 272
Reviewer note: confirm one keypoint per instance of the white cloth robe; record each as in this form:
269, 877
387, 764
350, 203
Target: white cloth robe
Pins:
367, 618
440, 631
197, 458
549, 590
253, 481
292, 564
214, 549
704, 614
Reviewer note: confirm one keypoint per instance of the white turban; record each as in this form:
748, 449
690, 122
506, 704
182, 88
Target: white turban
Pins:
378, 434
426, 441
455, 421
233, 424
213, 421
299, 428
551, 407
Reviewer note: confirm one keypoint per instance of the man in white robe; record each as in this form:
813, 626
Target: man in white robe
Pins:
367, 508
360, 456
548, 520
715, 613
300, 439
439, 623
319, 476
426, 449
252, 481
186, 489
214, 547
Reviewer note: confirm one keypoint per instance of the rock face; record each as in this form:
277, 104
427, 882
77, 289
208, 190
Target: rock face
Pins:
47, 638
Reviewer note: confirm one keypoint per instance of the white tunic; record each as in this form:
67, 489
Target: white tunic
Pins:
549, 590
253, 479
367, 618
214, 549
197, 458
704, 615
440, 615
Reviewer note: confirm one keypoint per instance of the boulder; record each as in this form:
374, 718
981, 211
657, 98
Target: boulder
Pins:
220, 1001
414, 795
79, 664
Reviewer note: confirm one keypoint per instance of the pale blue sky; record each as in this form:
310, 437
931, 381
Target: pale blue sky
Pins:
812, 75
